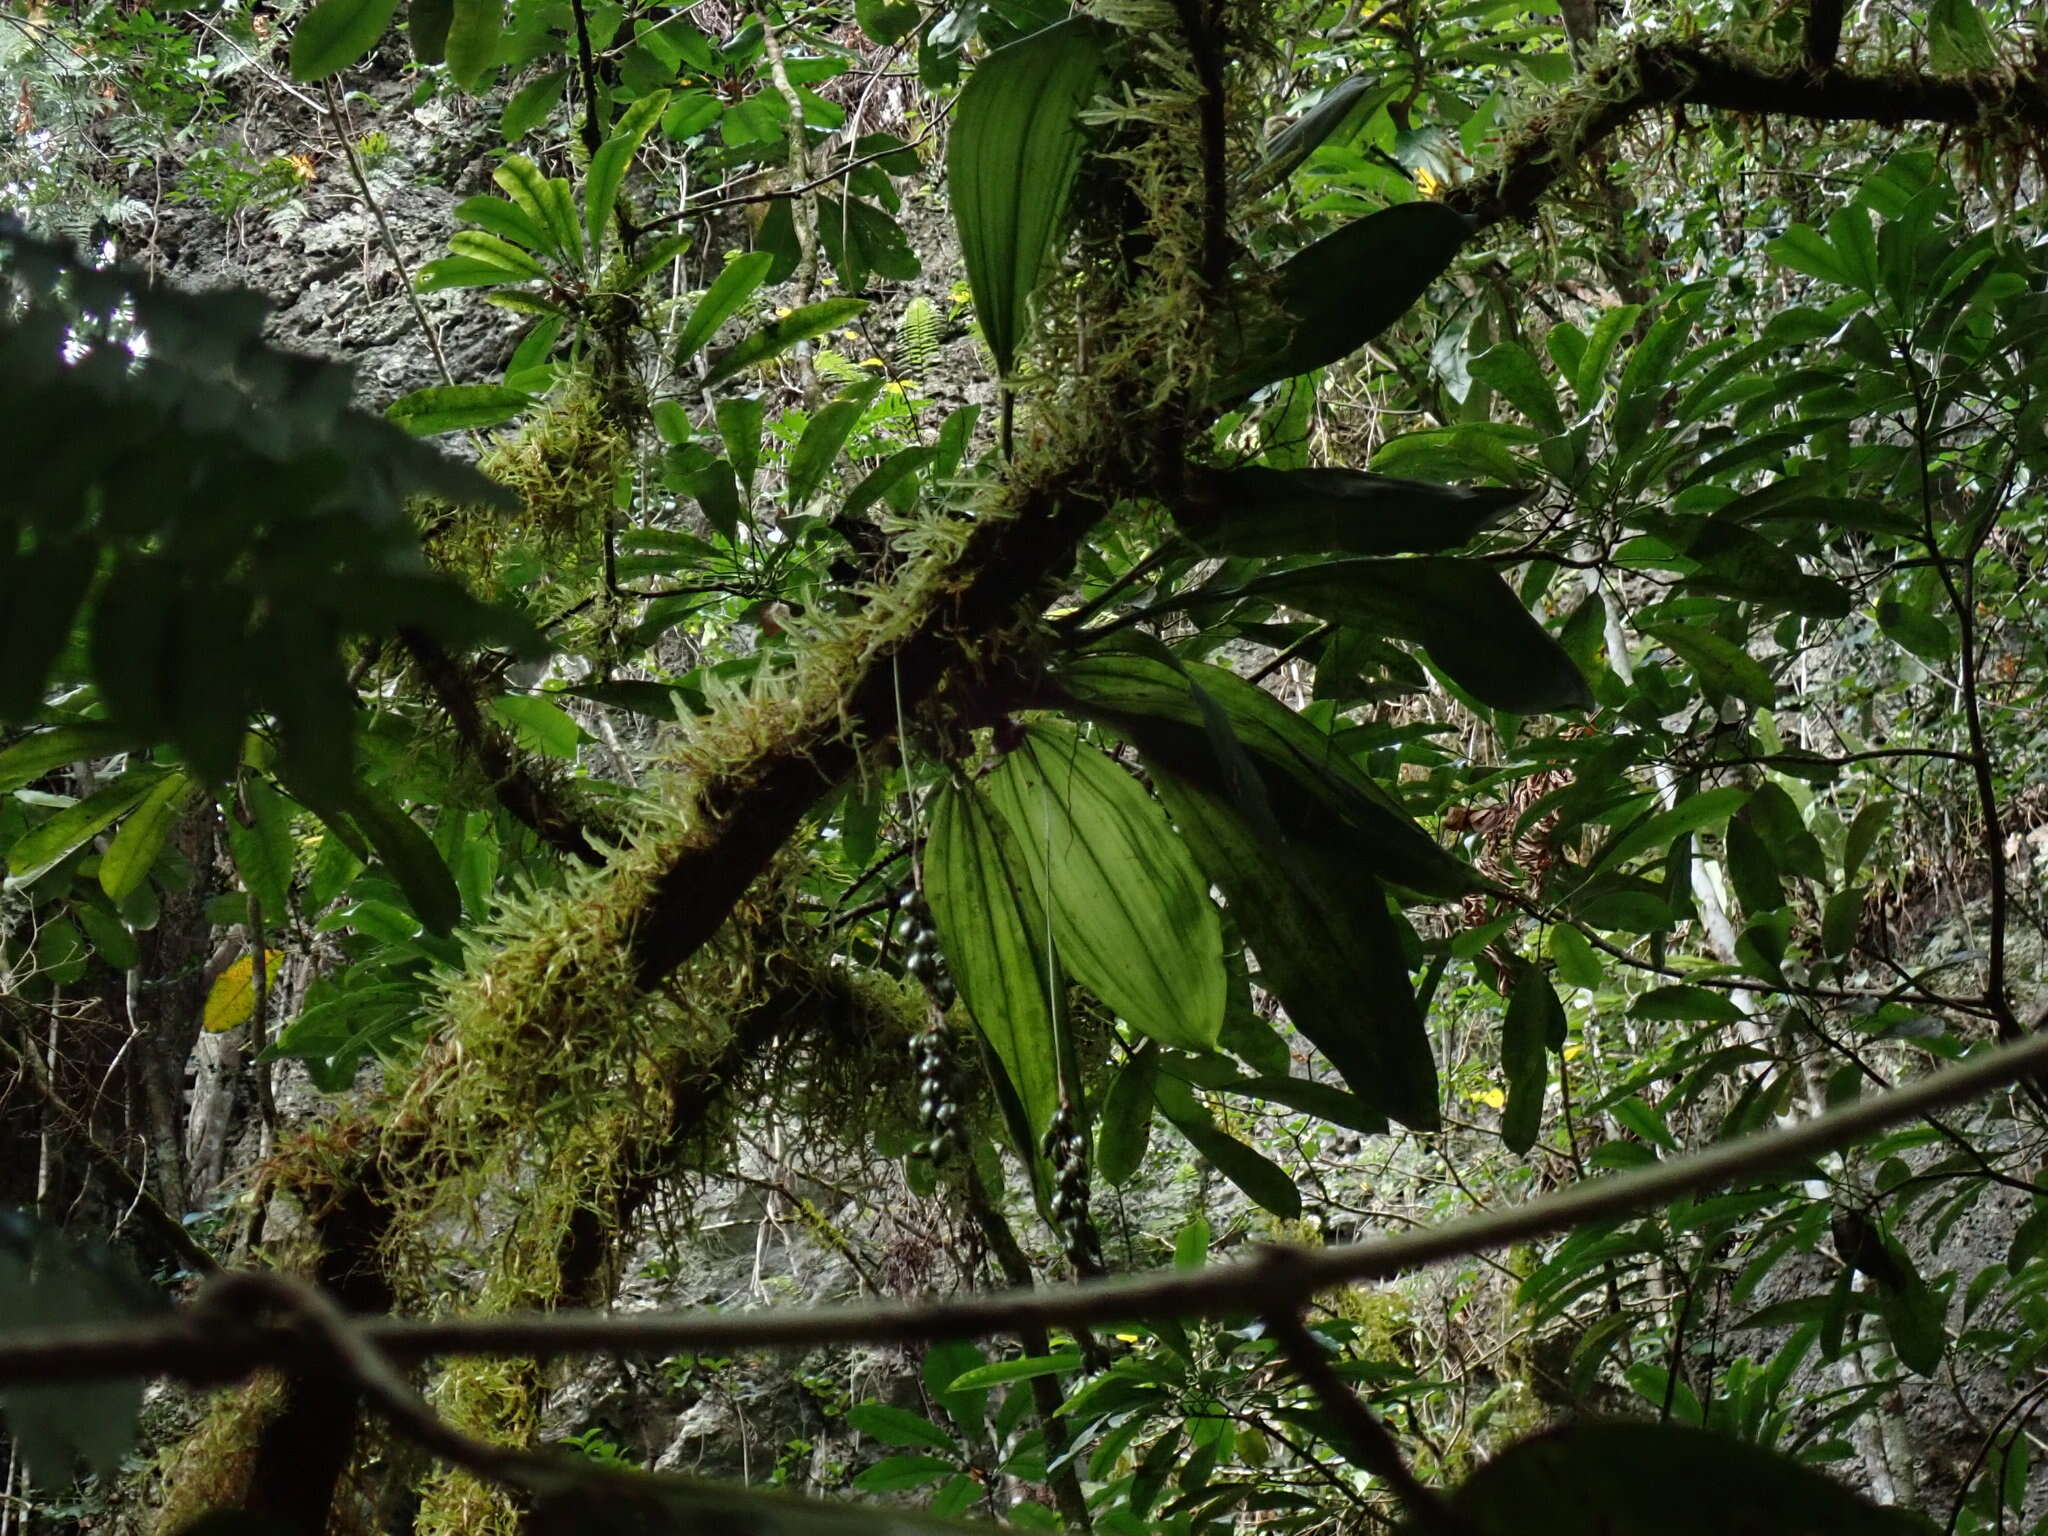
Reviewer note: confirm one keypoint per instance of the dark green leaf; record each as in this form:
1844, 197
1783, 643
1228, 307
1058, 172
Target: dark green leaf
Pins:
408, 854
426, 23
771, 341
897, 1426
33, 756
473, 38
1264, 1181
1259, 511
1722, 668
1337, 294
1532, 1006
608, 166
1024, 1368
1460, 611
1125, 1127
40, 590
335, 34
1661, 1480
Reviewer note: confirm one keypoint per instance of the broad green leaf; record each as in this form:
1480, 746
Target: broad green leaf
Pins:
1577, 963
1343, 103
231, 1000
880, 482
542, 726
1525, 1034
1131, 692
531, 104
44, 847
1263, 1181
461, 272
898, 1474
995, 939
1913, 1312
1025, 1368
739, 428
1325, 1101
507, 220
1695, 813
1258, 511
1660, 1480
1958, 41
40, 593
1459, 611
608, 166
1684, 1002
1864, 832
110, 937
1125, 1127
33, 756
335, 34
426, 25
1326, 944
133, 852
408, 854
456, 407
474, 36
1917, 630
897, 1426
263, 850
1331, 298
1131, 915
771, 341
520, 265
1805, 249
1519, 379
824, 435
944, 1362
1013, 152
1722, 667
886, 21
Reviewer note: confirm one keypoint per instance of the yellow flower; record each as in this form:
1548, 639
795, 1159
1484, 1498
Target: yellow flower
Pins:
1427, 184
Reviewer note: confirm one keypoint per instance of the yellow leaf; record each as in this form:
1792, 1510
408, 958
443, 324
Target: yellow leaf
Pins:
233, 996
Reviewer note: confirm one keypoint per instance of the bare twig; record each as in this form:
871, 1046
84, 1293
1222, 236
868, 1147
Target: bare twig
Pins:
187, 1346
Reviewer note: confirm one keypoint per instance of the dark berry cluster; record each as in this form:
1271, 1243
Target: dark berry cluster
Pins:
1068, 1154
938, 1099
920, 941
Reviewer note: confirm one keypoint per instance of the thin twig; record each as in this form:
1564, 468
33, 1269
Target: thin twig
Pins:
185, 1346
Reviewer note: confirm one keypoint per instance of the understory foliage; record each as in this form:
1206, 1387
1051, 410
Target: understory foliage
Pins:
1100, 633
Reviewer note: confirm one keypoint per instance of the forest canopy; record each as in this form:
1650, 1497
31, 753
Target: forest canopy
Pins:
1161, 767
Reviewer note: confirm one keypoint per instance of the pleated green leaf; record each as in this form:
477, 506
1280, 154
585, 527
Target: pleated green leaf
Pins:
1011, 161
1131, 914
996, 943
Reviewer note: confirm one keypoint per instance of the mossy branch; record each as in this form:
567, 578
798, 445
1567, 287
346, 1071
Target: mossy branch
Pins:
1652, 75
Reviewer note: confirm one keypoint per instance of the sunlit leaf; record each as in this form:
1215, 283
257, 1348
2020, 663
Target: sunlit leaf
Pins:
1013, 151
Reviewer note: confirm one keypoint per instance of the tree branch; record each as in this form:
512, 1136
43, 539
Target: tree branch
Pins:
1666, 74
517, 788
188, 1345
